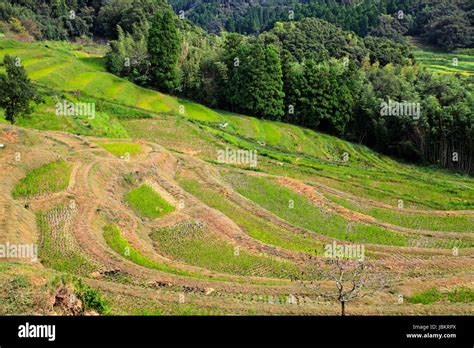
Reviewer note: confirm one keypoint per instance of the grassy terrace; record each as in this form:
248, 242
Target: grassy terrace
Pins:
57, 248
433, 295
121, 149
190, 243
459, 62
416, 221
307, 155
147, 202
120, 245
50, 178
298, 210
446, 63
256, 227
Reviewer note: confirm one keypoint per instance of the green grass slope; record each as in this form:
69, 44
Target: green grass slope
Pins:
125, 110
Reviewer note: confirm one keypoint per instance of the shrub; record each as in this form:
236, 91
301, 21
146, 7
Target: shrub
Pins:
426, 297
461, 294
16, 25
91, 298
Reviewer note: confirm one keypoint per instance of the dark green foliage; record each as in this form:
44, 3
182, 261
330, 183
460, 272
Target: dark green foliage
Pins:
163, 48
320, 96
59, 19
16, 90
315, 74
63, 19
447, 24
254, 16
128, 56
254, 84
316, 39
385, 51
442, 132
448, 107
392, 27
126, 14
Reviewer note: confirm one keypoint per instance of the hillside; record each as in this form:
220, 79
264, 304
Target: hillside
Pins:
148, 214
460, 62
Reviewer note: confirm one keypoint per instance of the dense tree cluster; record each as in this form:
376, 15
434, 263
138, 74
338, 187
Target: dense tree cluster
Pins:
63, 19
439, 128
445, 23
314, 74
254, 16
254, 78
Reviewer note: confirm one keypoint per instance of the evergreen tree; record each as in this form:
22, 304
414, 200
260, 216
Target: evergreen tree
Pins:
163, 48
255, 83
321, 96
16, 90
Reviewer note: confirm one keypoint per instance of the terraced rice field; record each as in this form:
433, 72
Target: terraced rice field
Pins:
170, 229
50, 178
458, 62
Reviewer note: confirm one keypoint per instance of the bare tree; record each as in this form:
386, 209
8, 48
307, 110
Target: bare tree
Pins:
353, 279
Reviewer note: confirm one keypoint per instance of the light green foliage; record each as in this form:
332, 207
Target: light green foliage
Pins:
128, 56
50, 178
256, 227
433, 295
92, 299
299, 211
121, 149
461, 294
147, 202
426, 297
120, 245
191, 243
461, 223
